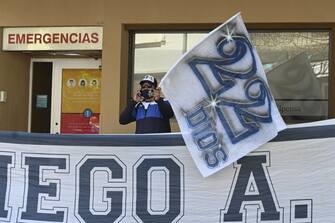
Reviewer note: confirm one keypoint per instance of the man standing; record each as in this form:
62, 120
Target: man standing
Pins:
150, 111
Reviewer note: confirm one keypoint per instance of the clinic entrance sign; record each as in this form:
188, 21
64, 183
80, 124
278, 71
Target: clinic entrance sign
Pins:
52, 38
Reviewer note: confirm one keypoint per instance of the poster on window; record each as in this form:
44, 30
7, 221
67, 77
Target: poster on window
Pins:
80, 112
297, 89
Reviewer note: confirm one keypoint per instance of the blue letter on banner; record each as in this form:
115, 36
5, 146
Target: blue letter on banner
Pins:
252, 175
5, 160
173, 170
85, 171
35, 189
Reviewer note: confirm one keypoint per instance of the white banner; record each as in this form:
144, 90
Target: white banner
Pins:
282, 182
52, 38
220, 97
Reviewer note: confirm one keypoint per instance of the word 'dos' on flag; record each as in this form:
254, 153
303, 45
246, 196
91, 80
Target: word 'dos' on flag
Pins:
221, 99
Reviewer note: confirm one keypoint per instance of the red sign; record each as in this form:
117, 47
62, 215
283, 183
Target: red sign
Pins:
78, 124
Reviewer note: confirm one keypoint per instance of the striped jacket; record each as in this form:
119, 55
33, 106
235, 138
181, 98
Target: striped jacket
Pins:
150, 117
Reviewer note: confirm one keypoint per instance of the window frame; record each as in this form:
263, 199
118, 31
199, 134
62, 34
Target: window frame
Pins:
134, 29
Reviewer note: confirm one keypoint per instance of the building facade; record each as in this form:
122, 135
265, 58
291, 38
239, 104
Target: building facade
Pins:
294, 39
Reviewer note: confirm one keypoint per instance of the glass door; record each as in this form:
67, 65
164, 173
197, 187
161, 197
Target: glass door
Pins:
76, 96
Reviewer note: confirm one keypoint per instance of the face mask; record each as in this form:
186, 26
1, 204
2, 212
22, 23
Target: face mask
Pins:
146, 93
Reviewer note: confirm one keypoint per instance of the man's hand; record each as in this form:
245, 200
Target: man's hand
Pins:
157, 94
137, 96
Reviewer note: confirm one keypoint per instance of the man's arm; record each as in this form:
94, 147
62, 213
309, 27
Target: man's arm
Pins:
165, 108
163, 105
127, 114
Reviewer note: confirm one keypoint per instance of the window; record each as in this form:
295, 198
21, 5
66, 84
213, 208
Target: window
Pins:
296, 64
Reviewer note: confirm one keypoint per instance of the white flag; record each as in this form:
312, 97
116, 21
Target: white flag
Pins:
221, 99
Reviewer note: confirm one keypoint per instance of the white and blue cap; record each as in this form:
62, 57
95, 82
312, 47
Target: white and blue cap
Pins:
150, 79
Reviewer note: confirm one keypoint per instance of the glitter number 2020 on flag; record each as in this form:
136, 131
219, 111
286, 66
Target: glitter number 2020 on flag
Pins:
221, 99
